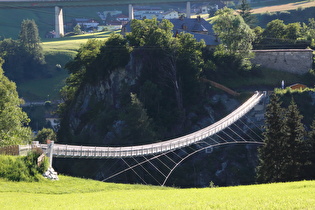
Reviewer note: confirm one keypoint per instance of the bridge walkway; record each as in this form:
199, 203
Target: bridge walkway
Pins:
74, 151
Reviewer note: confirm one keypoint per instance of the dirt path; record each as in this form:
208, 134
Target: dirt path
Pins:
284, 7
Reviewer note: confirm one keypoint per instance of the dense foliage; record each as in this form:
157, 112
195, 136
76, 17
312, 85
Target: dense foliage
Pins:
45, 134
233, 31
12, 119
23, 168
287, 153
277, 34
161, 77
24, 58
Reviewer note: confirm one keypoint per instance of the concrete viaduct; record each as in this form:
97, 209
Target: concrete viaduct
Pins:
59, 4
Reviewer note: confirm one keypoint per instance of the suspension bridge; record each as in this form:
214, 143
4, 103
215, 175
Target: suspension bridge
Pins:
165, 156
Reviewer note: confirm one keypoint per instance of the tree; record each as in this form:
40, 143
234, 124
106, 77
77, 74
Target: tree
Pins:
11, 52
275, 30
233, 32
282, 157
310, 145
245, 13
114, 54
12, 118
138, 127
24, 58
30, 40
45, 134
293, 145
293, 31
77, 29
271, 154
189, 64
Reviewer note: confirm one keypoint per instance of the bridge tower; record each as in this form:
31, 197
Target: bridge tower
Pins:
188, 9
131, 16
59, 28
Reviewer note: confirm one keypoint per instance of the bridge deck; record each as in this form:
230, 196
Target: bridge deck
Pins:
160, 147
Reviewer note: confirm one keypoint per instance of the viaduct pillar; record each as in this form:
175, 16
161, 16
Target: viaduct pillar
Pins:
131, 16
188, 9
59, 22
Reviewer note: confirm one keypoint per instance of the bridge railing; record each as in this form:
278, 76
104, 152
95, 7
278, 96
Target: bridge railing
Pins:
160, 147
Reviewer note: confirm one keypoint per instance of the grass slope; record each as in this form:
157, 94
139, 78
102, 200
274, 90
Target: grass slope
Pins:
284, 7
75, 193
57, 51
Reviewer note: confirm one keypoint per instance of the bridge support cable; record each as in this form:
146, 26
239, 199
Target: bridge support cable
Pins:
134, 171
236, 134
156, 168
147, 171
245, 131
136, 165
253, 131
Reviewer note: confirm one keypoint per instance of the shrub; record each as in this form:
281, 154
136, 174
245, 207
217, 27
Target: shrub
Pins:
23, 168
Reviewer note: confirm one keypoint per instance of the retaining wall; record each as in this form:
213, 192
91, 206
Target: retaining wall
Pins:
297, 61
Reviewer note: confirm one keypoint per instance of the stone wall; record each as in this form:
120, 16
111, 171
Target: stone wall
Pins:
297, 61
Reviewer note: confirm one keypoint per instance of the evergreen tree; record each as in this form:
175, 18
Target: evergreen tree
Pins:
138, 127
245, 12
77, 29
283, 156
271, 154
293, 145
12, 118
310, 166
30, 40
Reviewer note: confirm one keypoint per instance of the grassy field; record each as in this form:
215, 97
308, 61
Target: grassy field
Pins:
284, 7
75, 193
57, 51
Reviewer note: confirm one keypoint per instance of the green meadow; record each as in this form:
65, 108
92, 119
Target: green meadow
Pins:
57, 51
76, 193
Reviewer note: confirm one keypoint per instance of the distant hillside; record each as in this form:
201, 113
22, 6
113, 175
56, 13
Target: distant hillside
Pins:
300, 15
44, 17
284, 7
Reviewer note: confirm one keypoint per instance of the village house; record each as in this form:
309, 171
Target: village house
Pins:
141, 12
85, 23
172, 14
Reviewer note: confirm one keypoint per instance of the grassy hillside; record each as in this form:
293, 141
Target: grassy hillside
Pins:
57, 51
44, 17
75, 193
283, 6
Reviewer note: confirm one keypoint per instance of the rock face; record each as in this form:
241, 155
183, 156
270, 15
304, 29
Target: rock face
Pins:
51, 174
84, 118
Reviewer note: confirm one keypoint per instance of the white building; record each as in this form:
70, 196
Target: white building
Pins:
170, 15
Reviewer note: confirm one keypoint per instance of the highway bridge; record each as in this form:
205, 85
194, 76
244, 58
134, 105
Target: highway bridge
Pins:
59, 4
